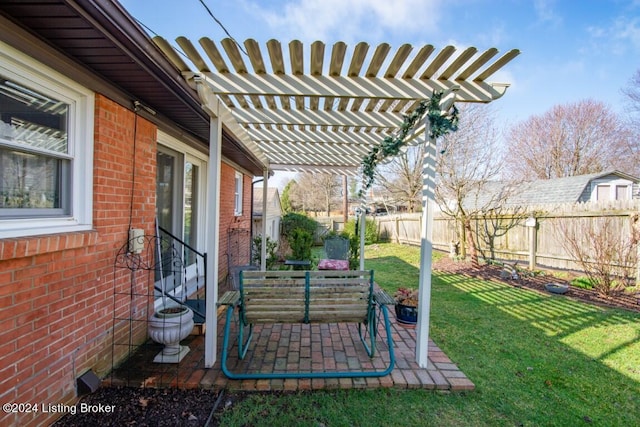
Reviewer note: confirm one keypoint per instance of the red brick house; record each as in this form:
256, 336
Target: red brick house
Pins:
98, 135
102, 131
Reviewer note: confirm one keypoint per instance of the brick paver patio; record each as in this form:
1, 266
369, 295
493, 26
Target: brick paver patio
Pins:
297, 347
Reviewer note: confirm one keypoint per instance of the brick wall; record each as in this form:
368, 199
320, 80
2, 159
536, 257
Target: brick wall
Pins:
57, 299
57, 291
228, 220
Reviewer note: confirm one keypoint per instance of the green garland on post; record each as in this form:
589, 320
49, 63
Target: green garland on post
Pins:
439, 125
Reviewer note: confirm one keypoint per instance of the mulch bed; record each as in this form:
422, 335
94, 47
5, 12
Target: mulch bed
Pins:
537, 282
146, 407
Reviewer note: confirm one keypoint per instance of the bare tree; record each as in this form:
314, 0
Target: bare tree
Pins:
315, 192
570, 139
605, 251
468, 162
402, 178
496, 221
329, 186
632, 94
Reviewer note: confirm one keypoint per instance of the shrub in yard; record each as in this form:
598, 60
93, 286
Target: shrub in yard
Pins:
582, 282
256, 251
607, 258
370, 230
290, 222
300, 241
295, 221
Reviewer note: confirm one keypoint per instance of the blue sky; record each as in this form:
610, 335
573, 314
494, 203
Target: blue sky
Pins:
571, 50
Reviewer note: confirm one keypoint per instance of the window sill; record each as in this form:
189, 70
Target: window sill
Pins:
20, 247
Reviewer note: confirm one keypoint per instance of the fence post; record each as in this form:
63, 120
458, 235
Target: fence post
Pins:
638, 262
635, 236
397, 229
532, 224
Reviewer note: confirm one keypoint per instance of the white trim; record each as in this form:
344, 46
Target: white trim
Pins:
238, 184
265, 207
200, 213
174, 143
612, 184
199, 159
213, 240
25, 70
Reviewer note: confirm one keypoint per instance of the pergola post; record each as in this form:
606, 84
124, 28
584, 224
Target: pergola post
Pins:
426, 247
213, 238
363, 228
263, 248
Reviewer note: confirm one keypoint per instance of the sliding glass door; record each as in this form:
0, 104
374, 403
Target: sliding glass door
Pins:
179, 213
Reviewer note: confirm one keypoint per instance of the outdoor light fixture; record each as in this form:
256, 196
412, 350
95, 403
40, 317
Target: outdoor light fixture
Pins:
137, 105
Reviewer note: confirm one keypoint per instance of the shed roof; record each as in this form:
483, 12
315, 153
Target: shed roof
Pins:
561, 190
272, 193
543, 191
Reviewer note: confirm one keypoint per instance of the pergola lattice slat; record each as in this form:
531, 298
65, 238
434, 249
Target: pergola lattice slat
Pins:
334, 98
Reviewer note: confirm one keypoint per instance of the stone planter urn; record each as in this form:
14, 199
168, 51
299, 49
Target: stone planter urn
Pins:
169, 326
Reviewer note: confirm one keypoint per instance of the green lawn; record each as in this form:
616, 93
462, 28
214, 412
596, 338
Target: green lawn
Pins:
536, 360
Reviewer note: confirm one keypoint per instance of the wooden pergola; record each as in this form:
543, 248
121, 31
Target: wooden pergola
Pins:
300, 113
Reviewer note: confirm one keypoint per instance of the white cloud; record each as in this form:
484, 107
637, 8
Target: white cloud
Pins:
352, 20
621, 37
545, 12
627, 30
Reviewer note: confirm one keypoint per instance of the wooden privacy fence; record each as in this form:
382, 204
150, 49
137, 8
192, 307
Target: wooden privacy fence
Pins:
534, 245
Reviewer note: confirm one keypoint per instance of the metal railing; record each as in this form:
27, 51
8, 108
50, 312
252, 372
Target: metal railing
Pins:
186, 252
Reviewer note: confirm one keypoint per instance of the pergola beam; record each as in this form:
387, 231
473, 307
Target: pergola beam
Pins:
317, 136
329, 169
344, 87
268, 116
272, 148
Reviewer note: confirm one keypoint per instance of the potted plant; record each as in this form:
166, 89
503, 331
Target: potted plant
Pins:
407, 306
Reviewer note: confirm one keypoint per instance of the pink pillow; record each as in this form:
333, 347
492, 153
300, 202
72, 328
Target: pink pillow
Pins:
333, 264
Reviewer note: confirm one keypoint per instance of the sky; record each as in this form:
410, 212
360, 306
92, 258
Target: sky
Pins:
571, 50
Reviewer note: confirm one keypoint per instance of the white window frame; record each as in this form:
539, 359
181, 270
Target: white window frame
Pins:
26, 71
627, 191
612, 184
603, 186
237, 195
